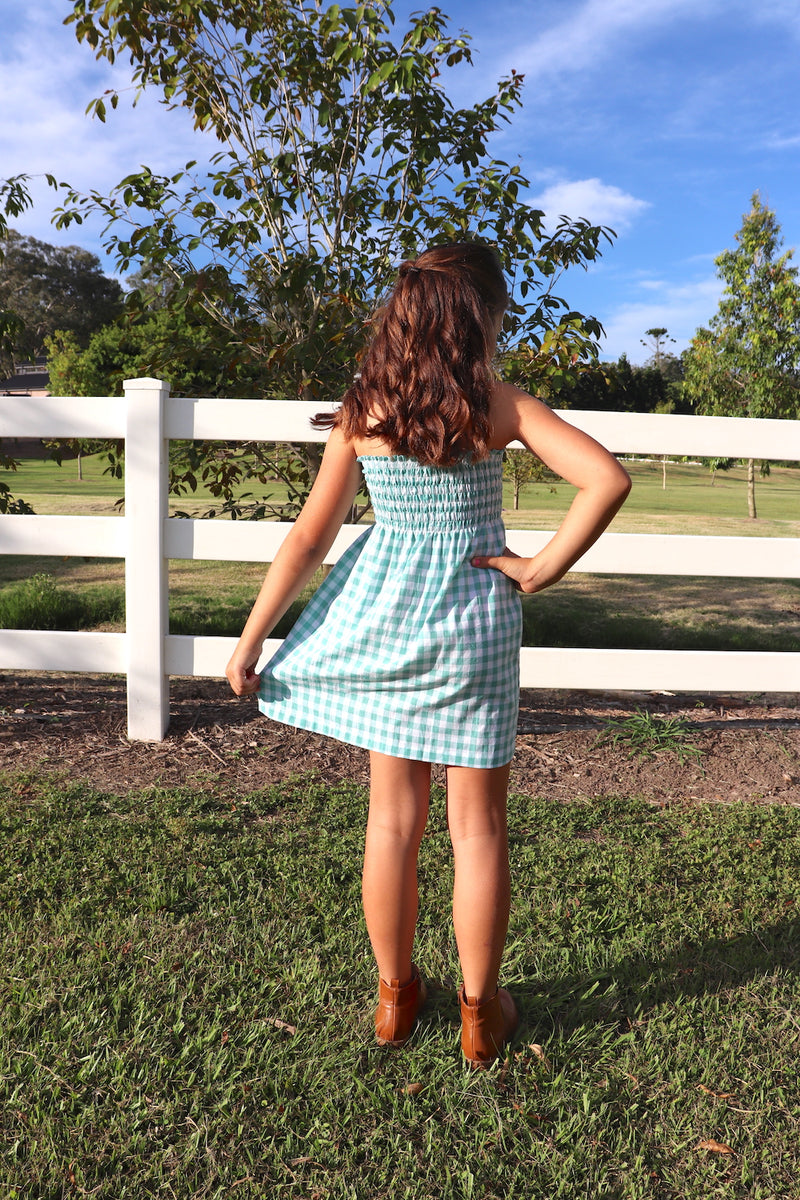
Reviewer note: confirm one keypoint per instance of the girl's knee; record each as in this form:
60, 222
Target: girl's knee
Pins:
476, 803
399, 797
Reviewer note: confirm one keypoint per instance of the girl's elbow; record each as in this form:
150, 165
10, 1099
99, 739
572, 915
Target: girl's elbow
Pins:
625, 484
619, 481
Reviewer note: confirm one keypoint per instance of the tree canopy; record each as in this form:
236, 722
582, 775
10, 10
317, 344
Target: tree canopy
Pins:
340, 154
46, 288
747, 362
337, 153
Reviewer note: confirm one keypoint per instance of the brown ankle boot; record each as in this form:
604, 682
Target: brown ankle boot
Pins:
486, 1027
398, 1008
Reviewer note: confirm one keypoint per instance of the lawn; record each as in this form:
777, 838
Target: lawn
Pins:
639, 612
691, 502
187, 994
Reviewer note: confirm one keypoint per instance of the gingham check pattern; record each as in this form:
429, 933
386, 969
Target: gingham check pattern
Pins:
406, 648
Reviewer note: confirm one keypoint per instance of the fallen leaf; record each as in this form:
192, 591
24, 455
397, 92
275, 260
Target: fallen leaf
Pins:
715, 1147
279, 1024
701, 1087
537, 1051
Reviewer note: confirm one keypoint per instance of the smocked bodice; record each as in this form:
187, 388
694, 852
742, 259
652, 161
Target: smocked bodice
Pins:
414, 497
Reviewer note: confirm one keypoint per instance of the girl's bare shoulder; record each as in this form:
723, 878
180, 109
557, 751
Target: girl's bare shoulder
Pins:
511, 411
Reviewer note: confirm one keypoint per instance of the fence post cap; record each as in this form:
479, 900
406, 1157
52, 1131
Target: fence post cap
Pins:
143, 384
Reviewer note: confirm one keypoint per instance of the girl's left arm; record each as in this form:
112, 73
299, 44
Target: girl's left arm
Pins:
301, 553
602, 483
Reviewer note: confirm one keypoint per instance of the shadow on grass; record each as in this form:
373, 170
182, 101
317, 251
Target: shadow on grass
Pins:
635, 986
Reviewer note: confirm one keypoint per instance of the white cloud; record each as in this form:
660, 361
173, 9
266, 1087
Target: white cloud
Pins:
48, 81
681, 308
778, 12
777, 141
600, 203
593, 30
584, 37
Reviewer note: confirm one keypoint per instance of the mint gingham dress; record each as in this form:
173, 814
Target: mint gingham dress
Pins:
406, 648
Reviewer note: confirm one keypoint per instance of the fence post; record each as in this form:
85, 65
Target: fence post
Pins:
146, 568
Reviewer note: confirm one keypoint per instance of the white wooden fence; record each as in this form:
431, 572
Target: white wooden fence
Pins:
147, 417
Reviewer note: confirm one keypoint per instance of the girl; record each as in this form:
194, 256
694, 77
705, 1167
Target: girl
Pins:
411, 646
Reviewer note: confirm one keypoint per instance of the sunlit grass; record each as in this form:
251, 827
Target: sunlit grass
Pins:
187, 994
691, 503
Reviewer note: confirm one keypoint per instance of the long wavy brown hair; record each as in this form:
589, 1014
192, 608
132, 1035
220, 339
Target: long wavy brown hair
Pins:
426, 378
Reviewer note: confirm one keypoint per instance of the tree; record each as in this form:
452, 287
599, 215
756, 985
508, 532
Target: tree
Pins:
521, 468
617, 387
552, 366
135, 346
747, 363
664, 363
340, 153
660, 357
45, 288
128, 348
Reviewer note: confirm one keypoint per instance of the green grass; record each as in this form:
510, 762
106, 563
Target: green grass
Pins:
187, 993
37, 478
690, 504
646, 734
665, 613
39, 602
205, 599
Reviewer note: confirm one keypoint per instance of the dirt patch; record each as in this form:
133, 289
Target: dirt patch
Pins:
75, 725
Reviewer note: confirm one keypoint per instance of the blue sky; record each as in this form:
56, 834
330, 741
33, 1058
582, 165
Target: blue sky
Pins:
657, 117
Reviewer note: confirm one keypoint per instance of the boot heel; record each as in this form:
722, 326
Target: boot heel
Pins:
485, 1028
398, 1008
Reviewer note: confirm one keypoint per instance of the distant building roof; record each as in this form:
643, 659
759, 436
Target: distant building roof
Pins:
26, 380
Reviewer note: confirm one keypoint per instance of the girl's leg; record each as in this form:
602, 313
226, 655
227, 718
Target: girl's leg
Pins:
476, 819
398, 811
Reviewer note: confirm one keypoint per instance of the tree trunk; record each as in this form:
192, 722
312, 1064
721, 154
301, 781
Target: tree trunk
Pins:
751, 489
516, 494
664, 473
80, 465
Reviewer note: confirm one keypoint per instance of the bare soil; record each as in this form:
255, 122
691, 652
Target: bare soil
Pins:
75, 726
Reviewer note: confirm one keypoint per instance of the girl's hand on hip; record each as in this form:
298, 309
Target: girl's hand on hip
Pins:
527, 574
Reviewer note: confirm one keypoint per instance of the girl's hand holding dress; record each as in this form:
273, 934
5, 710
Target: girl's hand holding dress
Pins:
241, 673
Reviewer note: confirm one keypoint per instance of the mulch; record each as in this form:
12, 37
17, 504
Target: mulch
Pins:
75, 726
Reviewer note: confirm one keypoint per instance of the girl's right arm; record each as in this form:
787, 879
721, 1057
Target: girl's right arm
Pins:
301, 553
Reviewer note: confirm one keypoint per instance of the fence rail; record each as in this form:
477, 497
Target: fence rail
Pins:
147, 417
